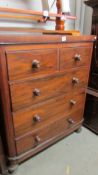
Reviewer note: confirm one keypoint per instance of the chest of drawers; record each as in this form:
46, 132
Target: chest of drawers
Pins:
42, 86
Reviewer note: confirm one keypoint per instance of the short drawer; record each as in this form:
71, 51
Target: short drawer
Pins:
35, 117
74, 57
34, 63
31, 92
48, 132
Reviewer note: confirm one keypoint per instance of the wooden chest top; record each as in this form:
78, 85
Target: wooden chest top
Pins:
43, 82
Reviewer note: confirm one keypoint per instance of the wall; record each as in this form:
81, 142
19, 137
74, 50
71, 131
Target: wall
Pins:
83, 22
87, 20
24, 4
34, 5
84, 17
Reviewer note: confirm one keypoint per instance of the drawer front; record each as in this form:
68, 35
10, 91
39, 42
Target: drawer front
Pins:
48, 132
25, 64
74, 57
31, 92
35, 117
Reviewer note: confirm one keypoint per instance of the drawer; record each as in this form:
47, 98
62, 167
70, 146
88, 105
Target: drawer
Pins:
48, 132
74, 57
35, 117
31, 92
34, 63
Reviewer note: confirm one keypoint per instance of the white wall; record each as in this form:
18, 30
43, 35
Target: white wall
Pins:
34, 5
87, 20
24, 4
83, 22
84, 17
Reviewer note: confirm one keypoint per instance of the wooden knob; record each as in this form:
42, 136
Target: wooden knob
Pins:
37, 139
36, 92
37, 118
71, 121
35, 64
75, 80
77, 57
72, 102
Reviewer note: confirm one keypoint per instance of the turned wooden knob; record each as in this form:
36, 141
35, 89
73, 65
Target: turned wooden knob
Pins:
35, 64
77, 57
75, 80
36, 92
72, 102
37, 118
71, 121
37, 139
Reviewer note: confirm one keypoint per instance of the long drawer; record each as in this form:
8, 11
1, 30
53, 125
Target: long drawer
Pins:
74, 57
33, 63
54, 129
31, 92
35, 117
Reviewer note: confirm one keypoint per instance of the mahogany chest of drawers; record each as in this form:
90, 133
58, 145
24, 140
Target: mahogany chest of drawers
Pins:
42, 85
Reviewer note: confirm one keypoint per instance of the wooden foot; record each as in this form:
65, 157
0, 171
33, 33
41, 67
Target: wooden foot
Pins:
12, 169
78, 130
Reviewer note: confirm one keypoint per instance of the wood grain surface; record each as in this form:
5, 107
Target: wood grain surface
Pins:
42, 84
22, 94
20, 64
60, 125
52, 109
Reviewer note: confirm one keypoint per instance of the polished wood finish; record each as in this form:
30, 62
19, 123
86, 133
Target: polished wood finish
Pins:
34, 30
31, 92
22, 18
6, 106
62, 32
60, 106
31, 12
38, 38
22, 64
50, 130
26, 15
74, 57
43, 84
